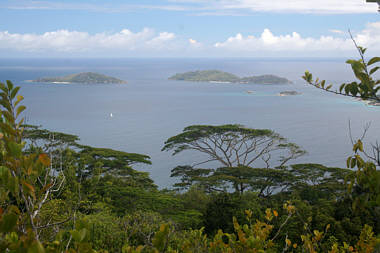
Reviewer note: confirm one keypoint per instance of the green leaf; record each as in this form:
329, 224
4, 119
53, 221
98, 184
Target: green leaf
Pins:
10, 85
342, 87
3, 170
18, 100
347, 89
9, 222
353, 163
6, 129
373, 70
8, 116
329, 87
362, 77
20, 109
378, 200
79, 236
323, 84
3, 87
14, 149
6, 104
36, 247
309, 76
349, 162
82, 233
373, 60
360, 145
160, 237
76, 235
14, 92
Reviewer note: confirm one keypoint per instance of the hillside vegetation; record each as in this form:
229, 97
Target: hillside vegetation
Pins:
220, 76
85, 77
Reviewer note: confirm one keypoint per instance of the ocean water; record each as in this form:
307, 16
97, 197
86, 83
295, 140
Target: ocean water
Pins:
150, 109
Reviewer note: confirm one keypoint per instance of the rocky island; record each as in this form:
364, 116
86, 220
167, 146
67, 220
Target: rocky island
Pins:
225, 77
289, 93
85, 77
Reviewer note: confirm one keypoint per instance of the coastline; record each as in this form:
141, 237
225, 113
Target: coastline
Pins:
369, 102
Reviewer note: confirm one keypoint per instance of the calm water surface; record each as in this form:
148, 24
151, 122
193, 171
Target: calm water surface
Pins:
150, 108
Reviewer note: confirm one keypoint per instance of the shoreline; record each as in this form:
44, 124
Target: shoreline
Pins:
368, 102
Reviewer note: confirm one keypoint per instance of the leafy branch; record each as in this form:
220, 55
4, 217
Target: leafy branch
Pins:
365, 87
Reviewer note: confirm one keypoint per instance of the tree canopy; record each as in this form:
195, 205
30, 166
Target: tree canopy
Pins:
234, 145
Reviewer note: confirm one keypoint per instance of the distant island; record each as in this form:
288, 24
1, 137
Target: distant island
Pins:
85, 77
225, 77
289, 93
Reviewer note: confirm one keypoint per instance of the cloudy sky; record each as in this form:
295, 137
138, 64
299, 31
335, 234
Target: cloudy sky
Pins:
187, 28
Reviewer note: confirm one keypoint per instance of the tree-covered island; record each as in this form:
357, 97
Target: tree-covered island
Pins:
85, 77
225, 77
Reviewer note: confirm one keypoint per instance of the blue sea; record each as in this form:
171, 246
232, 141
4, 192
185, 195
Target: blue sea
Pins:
150, 108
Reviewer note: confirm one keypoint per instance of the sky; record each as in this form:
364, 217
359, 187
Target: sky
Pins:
187, 28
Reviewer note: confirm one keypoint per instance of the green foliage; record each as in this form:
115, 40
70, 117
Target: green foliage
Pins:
303, 178
264, 79
103, 160
366, 87
194, 133
39, 137
220, 76
236, 148
86, 77
364, 185
232, 144
190, 176
206, 76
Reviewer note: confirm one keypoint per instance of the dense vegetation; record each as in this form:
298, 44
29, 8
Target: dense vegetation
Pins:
86, 77
220, 76
264, 79
206, 76
57, 195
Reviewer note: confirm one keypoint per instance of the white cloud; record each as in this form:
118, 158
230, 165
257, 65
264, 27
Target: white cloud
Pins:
148, 42
289, 6
305, 6
336, 31
82, 6
292, 43
207, 7
74, 42
194, 43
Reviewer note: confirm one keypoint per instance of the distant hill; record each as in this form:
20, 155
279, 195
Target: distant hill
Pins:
85, 77
289, 93
264, 79
206, 76
220, 76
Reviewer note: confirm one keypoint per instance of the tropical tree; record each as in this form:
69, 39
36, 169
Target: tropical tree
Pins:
237, 149
234, 145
